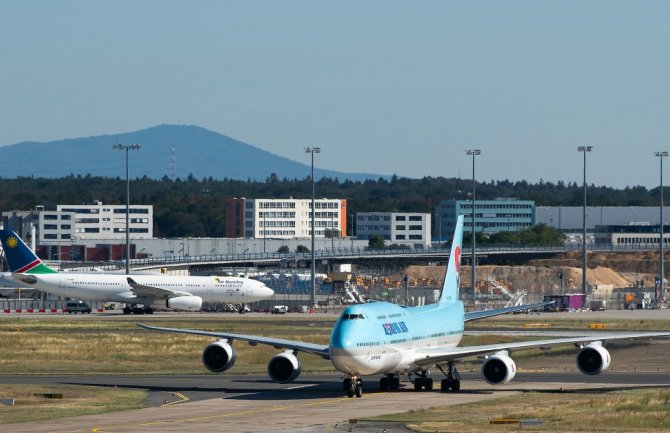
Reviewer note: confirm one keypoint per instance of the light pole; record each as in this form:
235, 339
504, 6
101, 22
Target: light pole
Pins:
473, 152
313, 150
661, 271
126, 148
584, 150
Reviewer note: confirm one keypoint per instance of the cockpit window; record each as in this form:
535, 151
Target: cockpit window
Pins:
352, 316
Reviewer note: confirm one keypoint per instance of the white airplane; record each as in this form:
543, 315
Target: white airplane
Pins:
153, 291
388, 339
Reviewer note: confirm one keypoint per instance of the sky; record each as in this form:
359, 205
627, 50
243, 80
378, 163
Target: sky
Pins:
388, 87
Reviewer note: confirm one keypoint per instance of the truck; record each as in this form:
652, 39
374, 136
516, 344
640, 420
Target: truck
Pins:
279, 309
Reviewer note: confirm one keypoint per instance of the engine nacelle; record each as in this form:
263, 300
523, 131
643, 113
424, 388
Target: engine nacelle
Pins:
219, 357
499, 369
593, 359
184, 303
284, 368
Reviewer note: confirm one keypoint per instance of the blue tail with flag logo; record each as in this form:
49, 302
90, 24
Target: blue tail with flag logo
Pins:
20, 258
451, 285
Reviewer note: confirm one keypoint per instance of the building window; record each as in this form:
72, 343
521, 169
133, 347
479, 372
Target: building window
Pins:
50, 226
400, 227
415, 218
400, 217
48, 216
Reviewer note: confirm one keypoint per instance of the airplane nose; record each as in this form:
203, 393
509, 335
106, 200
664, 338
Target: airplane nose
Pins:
266, 291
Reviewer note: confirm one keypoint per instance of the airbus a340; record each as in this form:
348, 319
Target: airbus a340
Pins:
155, 291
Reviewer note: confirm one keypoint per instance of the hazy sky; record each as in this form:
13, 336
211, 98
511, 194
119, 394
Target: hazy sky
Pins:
389, 87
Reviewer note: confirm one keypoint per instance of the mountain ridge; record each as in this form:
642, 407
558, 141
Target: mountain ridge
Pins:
166, 150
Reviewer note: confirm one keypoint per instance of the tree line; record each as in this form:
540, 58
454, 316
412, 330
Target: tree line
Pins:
195, 207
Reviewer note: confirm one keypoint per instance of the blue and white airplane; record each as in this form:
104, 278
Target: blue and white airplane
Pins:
388, 339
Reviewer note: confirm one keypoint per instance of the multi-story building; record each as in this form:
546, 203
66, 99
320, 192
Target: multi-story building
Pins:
491, 216
285, 218
55, 224
395, 227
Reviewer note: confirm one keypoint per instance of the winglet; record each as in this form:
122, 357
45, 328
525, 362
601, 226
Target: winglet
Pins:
20, 258
451, 285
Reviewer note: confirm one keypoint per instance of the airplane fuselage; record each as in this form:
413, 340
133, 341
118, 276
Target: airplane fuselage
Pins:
115, 287
380, 337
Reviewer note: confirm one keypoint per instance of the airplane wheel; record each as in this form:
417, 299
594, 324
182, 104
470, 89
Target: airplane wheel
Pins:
395, 383
428, 384
418, 384
384, 384
456, 385
127, 310
445, 384
359, 390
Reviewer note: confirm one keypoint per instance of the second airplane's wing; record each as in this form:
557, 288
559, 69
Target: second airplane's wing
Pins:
144, 291
279, 343
436, 355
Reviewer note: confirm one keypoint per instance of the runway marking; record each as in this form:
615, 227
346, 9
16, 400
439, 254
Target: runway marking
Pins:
182, 397
301, 386
212, 417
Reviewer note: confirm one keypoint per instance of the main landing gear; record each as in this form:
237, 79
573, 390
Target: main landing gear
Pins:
453, 380
389, 382
353, 386
423, 382
137, 310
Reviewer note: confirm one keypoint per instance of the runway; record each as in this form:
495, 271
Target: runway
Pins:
311, 404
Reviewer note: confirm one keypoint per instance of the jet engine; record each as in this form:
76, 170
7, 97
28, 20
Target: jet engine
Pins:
219, 357
593, 359
184, 303
499, 369
284, 368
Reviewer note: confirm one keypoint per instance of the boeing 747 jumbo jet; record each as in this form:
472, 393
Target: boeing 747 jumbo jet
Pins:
388, 339
150, 291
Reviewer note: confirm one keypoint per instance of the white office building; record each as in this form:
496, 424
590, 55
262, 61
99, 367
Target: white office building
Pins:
395, 227
55, 224
285, 218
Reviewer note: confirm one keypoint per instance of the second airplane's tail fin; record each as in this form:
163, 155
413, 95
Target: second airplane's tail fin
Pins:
451, 285
21, 259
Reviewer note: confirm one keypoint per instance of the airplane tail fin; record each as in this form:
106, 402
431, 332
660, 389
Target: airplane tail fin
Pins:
21, 259
451, 285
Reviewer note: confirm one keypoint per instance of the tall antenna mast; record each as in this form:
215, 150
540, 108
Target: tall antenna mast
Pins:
174, 164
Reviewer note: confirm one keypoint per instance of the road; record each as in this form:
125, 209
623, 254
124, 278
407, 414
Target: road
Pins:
313, 404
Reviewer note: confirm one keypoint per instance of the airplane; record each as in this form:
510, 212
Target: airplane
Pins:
392, 340
152, 291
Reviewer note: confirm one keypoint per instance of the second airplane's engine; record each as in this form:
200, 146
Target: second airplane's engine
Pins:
219, 357
499, 369
593, 359
284, 368
184, 303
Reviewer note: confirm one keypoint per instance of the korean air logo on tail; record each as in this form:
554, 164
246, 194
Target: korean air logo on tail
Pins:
457, 264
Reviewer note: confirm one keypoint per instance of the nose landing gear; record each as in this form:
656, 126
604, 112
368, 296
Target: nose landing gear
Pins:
353, 386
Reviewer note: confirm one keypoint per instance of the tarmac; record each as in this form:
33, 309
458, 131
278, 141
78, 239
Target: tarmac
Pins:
253, 404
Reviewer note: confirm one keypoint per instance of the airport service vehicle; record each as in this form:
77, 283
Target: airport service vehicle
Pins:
74, 307
151, 291
388, 339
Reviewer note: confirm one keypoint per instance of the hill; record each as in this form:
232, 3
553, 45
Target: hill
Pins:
181, 150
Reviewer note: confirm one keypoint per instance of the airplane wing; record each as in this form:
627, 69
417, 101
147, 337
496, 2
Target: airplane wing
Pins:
144, 291
278, 343
483, 314
437, 355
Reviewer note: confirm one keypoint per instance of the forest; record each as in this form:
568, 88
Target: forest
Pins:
193, 207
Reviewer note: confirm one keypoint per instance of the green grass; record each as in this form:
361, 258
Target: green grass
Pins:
644, 410
77, 400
